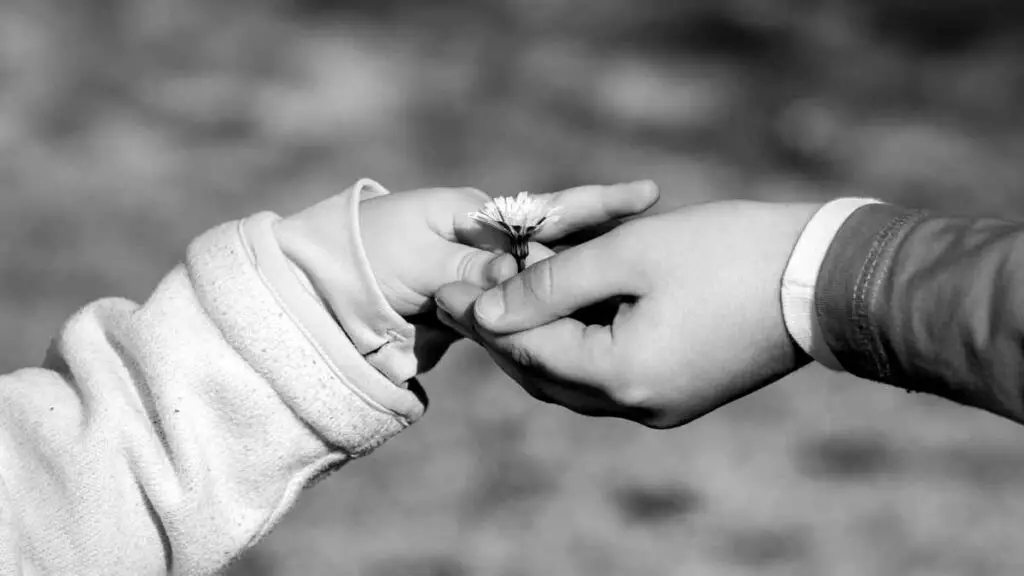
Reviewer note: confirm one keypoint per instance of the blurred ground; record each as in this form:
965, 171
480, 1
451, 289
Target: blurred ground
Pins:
128, 127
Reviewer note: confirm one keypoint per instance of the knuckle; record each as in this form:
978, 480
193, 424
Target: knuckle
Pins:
636, 394
523, 357
528, 360
463, 266
470, 266
628, 394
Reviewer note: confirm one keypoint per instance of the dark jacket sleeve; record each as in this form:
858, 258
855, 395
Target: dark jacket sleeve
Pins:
928, 303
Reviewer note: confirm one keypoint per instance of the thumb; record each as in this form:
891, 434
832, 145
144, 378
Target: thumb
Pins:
485, 269
480, 268
556, 287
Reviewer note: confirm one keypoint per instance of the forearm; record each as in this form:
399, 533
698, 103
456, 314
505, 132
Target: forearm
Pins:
928, 304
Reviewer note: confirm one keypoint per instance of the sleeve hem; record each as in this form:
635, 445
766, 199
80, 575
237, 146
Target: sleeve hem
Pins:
325, 242
800, 277
229, 279
323, 332
855, 266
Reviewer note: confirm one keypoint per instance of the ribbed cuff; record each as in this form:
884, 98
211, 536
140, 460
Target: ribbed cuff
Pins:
245, 287
325, 242
299, 300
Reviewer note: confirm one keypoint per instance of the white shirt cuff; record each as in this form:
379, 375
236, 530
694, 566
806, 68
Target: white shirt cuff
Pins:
801, 275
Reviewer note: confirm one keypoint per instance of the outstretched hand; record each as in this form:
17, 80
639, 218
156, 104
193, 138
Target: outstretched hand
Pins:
418, 241
697, 320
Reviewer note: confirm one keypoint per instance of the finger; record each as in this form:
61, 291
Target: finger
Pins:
537, 253
456, 300
532, 371
579, 399
483, 238
585, 235
473, 233
563, 351
481, 268
585, 207
601, 313
446, 319
431, 345
558, 286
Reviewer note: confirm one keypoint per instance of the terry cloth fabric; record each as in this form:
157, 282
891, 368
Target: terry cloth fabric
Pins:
169, 437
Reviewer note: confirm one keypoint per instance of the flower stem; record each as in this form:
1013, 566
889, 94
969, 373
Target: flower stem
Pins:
520, 250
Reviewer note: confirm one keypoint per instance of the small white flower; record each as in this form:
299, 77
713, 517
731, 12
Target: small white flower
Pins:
523, 214
519, 218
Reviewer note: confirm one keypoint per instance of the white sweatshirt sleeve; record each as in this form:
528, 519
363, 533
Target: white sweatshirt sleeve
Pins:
168, 437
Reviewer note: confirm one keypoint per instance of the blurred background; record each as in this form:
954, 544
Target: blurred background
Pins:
127, 127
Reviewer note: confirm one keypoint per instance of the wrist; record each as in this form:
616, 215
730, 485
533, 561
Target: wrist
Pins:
761, 236
792, 222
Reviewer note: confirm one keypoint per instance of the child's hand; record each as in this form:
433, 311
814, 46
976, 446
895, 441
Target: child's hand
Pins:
418, 241
415, 242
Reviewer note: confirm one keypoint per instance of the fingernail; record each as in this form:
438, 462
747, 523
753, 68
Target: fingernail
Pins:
504, 268
648, 192
443, 306
490, 307
446, 319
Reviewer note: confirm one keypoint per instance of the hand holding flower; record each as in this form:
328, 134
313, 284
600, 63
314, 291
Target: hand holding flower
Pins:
418, 241
698, 322
520, 218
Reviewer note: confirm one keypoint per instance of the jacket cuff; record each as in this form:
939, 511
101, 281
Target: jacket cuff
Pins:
801, 274
855, 269
261, 307
325, 243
